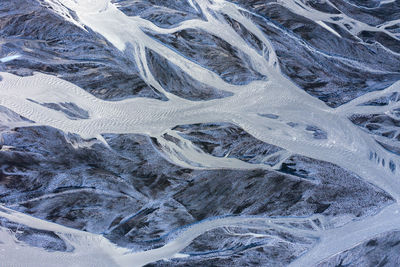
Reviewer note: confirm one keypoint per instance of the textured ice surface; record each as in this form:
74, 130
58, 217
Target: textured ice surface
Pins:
199, 133
382, 250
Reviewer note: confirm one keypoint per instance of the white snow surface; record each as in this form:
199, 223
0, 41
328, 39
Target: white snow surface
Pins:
346, 145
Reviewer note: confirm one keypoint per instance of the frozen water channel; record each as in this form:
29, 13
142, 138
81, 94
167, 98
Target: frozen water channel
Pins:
345, 145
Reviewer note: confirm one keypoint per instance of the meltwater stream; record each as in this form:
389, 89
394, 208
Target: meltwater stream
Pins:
271, 108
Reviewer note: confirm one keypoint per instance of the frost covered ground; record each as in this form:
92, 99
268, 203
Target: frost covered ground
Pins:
199, 133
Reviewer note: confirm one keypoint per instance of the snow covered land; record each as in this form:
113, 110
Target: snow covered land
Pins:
199, 133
